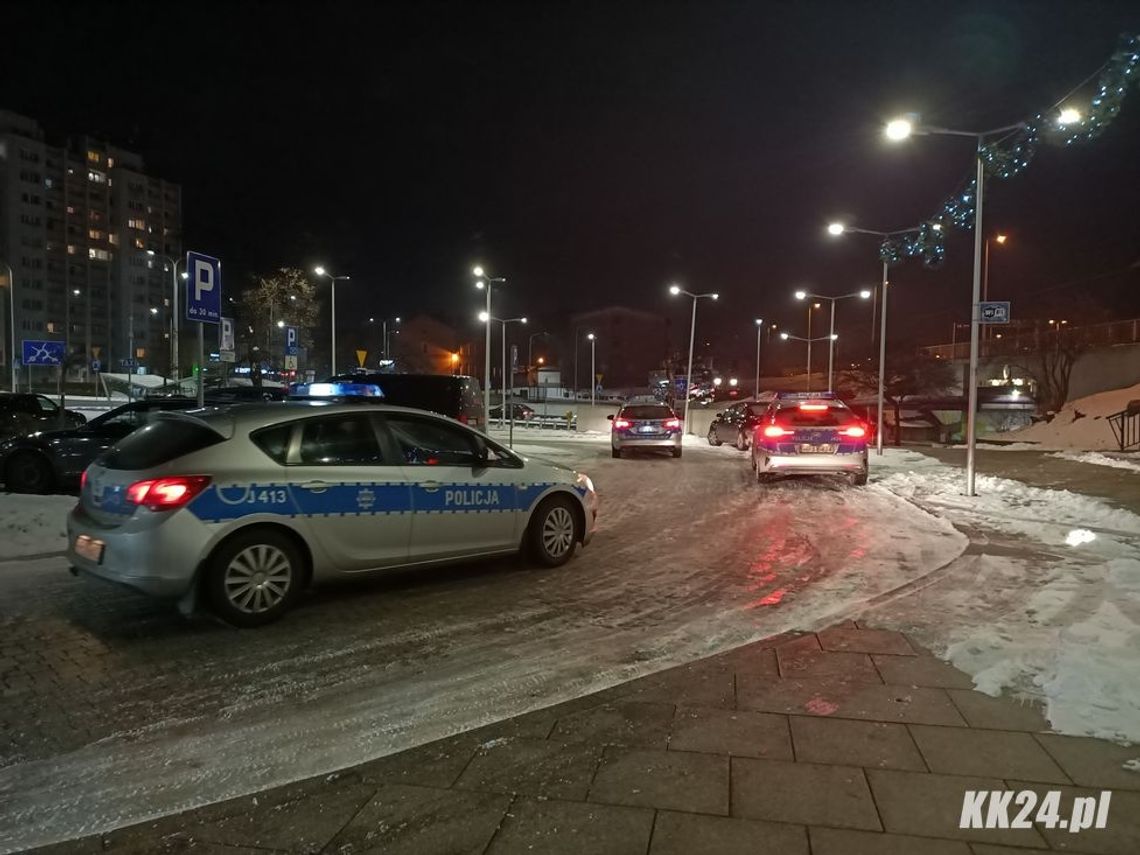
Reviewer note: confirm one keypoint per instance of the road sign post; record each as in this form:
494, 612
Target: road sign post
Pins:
203, 304
993, 312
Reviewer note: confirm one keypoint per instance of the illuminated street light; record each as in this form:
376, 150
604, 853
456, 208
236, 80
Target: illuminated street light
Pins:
864, 294
759, 329
675, 290
836, 229
899, 129
320, 271
1069, 116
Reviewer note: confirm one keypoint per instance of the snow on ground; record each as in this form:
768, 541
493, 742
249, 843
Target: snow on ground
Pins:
32, 525
1089, 433
1097, 459
1004, 446
1049, 606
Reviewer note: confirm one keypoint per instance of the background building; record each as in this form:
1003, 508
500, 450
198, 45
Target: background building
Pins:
76, 222
630, 343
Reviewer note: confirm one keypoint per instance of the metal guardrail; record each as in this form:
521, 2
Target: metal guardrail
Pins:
1126, 426
1026, 339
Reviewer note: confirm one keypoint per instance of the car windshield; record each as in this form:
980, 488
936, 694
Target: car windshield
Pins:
646, 413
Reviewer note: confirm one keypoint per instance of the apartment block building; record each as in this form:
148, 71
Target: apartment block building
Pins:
77, 221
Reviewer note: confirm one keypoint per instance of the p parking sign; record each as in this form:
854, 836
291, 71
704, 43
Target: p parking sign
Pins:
203, 288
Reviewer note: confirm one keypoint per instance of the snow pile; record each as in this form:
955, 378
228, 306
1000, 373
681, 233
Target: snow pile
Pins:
1090, 433
1047, 609
31, 525
1097, 459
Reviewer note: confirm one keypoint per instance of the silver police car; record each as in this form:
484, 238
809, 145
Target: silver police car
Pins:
809, 434
642, 426
248, 504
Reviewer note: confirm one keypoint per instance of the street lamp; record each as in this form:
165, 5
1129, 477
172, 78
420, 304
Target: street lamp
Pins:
11, 323
174, 305
320, 271
482, 280
593, 339
1000, 240
837, 229
487, 318
676, 290
802, 295
893, 130
865, 294
759, 330
788, 336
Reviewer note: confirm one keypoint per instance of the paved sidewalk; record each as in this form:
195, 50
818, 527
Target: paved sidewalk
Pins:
850, 741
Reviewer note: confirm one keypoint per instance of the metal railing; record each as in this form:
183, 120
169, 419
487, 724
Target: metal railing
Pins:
1029, 338
1126, 426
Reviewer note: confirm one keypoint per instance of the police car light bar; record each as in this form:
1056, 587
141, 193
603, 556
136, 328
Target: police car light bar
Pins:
336, 390
806, 396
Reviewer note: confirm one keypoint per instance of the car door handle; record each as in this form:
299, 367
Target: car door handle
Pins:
316, 486
430, 486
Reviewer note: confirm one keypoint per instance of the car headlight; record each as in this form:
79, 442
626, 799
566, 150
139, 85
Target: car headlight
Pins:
584, 480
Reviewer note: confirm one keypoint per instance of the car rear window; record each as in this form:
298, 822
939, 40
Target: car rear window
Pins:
647, 412
831, 416
160, 442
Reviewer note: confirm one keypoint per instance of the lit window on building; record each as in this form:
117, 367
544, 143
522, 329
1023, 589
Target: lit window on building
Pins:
70, 249
140, 243
136, 224
110, 162
93, 156
96, 176
95, 234
98, 254
114, 239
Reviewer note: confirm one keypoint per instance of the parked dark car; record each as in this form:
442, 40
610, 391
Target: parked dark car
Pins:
735, 424
24, 412
53, 460
452, 395
521, 411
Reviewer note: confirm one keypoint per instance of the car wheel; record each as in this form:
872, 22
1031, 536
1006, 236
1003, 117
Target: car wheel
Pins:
713, 438
254, 577
676, 452
741, 441
553, 531
28, 472
615, 453
859, 479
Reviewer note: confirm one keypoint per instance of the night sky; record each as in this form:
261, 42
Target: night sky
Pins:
593, 153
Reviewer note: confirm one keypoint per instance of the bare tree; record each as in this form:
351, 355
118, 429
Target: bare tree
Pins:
916, 375
285, 297
1051, 362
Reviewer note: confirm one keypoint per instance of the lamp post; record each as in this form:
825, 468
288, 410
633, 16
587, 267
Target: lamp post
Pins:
786, 336
482, 280
486, 318
835, 230
759, 330
593, 369
865, 294
11, 323
675, 290
174, 304
901, 129
800, 295
1000, 240
320, 271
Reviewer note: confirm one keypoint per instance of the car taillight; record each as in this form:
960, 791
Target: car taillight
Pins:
673, 424
463, 418
83, 480
166, 494
773, 431
813, 408
621, 424
855, 431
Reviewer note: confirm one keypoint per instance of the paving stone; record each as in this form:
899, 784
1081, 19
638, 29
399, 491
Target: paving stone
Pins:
738, 732
921, 670
537, 767
623, 723
991, 849
436, 764
841, 698
1093, 762
677, 780
1120, 836
408, 820
998, 713
799, 645
874, 744
842, 841
986, 753
690, 833
705, 684
752, 659
931, 804
802, 793
553, 827
809, 664
865, 641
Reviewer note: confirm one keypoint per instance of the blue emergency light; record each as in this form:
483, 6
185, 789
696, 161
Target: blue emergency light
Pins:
335, 390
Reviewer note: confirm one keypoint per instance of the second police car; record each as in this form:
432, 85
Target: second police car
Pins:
248, 504
809, 434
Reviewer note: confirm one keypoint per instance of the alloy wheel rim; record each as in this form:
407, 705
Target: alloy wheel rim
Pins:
558, 532
258, 578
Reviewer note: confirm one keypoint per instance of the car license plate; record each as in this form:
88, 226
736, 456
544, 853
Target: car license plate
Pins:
808, 448
89, 548
647, 429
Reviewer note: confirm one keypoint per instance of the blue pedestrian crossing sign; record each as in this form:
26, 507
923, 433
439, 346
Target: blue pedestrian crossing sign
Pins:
43, 352
203, 288
291, 341
993, 312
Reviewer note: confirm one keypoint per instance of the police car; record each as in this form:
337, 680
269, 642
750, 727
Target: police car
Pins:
809, 434
247, 504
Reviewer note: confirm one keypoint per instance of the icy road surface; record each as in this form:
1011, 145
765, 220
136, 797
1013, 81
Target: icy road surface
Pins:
119, 710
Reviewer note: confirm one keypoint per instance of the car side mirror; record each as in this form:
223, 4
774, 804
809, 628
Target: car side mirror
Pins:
610, 418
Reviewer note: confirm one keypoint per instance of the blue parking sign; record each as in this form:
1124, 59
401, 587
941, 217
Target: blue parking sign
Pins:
203, 288
42, 352
290, 341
